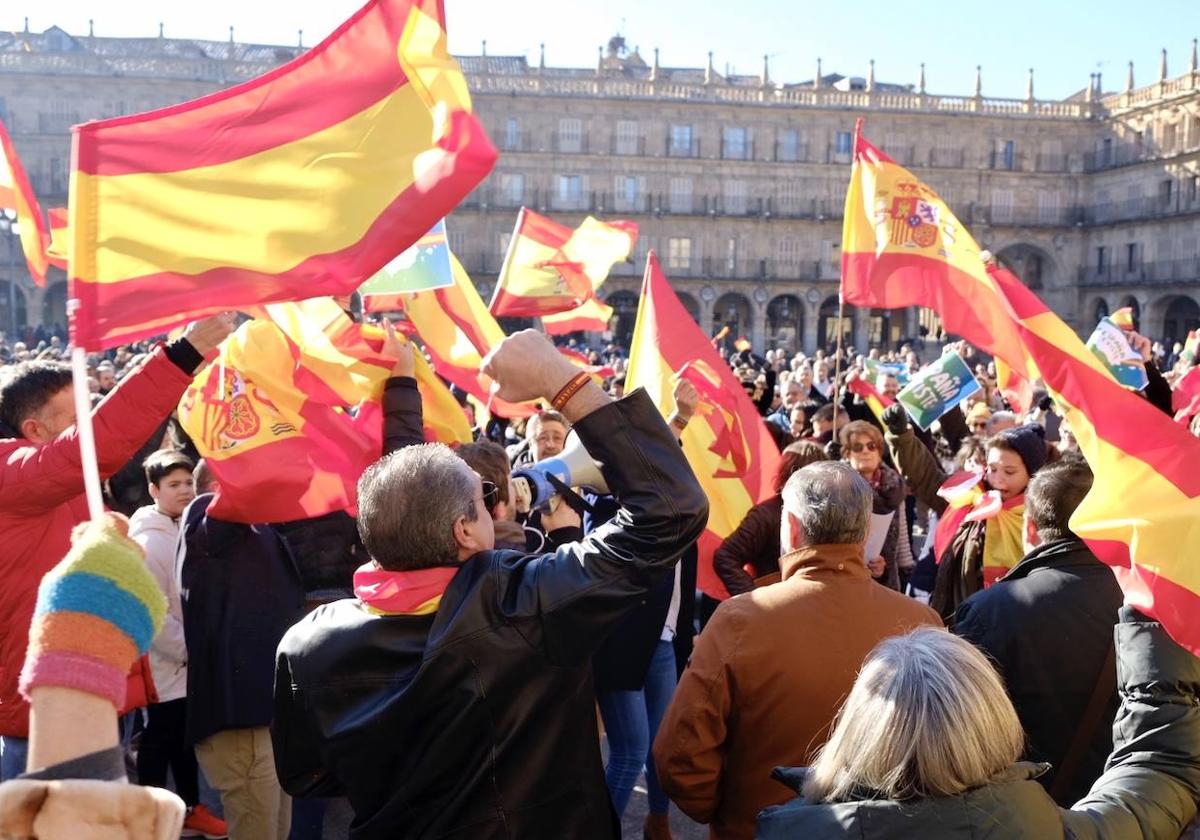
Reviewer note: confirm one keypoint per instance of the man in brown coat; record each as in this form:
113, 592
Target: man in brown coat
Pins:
773, 665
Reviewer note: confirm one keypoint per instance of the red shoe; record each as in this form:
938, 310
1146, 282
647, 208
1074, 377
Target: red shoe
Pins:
200, 822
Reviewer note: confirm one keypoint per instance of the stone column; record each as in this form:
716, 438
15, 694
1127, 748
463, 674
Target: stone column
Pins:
812, 321
861, 325
758, 326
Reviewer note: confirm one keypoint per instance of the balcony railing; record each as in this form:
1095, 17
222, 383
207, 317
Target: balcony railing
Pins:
683, 149
1157, 272
737, 151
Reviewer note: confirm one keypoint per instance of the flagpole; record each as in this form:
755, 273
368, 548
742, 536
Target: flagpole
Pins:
837, 359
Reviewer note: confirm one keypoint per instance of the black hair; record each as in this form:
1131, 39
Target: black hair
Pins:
26, 389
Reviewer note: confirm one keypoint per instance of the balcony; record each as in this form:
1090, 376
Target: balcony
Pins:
1157, 272
947, 158
683, 149
570, 144
737, 151
1136, 209
627, 146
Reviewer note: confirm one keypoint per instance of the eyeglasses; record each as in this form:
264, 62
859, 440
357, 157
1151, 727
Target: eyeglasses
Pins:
491, 494
980, 425
869, 446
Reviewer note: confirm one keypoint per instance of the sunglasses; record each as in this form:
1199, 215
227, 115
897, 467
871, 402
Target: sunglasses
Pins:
491, 494
868, 447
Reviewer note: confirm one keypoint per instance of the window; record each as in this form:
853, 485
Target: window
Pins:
787, 253
512, 189
679, 253
570, 192
734, 143
682, 143
627, 138
843, 143
681, 195
570, 135
1047, 207
512, 134
731, 255
1165, 193
790, 197
1131, 256
1101, 259
735, 197
788, 147
945, 150
1169, 134
505, 241
1193, 188
1002, 206
58, 176
457, 240
1005, 155
1106, 152
625, 192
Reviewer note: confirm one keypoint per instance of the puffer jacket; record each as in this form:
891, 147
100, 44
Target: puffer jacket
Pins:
1148, 791
478, 720
158, 535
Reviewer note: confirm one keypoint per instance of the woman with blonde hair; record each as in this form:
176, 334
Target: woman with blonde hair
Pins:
927, 744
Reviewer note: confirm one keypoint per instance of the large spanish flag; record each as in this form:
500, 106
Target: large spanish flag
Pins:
458, 331
551, 268
301, 183
17, 195
592, 316
901, 246
1143, 513
726, 443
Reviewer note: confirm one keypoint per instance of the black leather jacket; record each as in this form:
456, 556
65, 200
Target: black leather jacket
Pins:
479, 721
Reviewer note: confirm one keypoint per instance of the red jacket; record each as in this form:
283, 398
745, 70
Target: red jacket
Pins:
41, 500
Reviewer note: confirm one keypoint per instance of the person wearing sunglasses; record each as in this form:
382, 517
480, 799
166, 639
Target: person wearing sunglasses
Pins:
453, 695
863, 448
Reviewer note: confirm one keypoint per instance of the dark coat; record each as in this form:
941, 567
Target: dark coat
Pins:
240, 590
478, 720
1048, 627
755, 542
1149, 789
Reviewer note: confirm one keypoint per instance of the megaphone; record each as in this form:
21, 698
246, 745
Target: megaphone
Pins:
537, 483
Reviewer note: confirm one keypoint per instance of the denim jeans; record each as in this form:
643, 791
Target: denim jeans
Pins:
631, 720
13, 754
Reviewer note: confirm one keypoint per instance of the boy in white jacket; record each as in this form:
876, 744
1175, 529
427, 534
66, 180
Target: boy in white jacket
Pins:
156, 529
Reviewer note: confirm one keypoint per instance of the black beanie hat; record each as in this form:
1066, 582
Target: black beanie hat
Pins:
1030, 442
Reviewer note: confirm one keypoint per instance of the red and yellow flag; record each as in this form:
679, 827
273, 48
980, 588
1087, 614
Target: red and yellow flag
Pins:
1143, 513
303, 182
551, 268
458, 331
592, 316
17, 195
875, 401
901, 246
726, 443
57, 251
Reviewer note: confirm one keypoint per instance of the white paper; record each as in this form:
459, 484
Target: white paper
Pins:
876, 534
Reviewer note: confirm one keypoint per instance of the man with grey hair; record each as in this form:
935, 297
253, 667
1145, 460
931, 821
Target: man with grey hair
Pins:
453, 695
772, 666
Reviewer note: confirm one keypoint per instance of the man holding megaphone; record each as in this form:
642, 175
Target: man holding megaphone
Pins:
453, 695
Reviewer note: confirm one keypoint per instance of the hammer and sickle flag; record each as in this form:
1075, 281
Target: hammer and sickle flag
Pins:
727, 443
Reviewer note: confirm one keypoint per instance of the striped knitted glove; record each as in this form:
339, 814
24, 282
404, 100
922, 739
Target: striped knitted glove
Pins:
97, 612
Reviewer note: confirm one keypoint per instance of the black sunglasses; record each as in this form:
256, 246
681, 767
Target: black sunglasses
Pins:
491, 494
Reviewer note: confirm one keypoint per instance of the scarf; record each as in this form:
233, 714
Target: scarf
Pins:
1003, 543
415, 592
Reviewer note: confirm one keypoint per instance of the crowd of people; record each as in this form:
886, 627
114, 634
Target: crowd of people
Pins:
451, 660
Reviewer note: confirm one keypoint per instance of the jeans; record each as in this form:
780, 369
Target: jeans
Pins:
13, 754
631, 720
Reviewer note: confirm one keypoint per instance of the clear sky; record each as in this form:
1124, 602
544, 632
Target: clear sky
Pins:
1062, 41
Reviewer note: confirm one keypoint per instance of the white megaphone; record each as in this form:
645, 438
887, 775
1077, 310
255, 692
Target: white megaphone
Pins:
537, 483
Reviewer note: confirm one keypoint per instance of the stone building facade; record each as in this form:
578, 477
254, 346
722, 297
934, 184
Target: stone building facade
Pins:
736, 181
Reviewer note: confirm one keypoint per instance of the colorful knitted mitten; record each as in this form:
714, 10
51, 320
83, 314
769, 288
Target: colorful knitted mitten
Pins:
97, 612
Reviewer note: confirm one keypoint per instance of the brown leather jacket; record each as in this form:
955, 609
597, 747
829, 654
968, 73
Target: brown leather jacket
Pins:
766, 677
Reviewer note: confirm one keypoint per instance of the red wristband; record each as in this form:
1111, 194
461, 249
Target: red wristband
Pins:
570, 389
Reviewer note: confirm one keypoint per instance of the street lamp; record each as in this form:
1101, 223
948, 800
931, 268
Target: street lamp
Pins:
9, 226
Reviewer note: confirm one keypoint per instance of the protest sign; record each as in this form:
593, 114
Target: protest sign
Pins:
937, 388
875, 367
1110, 345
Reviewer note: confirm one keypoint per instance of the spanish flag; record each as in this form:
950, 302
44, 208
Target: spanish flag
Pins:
901, 246
551, 268
301, 183
16, 195
592, 316
458, 331
1142, 515
875, 401
60, 239
726, 443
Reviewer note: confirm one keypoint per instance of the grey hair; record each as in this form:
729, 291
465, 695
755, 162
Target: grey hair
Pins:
831, 501
408, 502
927, 716
999, 417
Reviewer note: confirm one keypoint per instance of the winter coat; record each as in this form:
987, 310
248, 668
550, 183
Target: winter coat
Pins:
1048, 627
889, 493
1148, 791
755, 542
478, 720
158, 535
41, 500
767, 676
